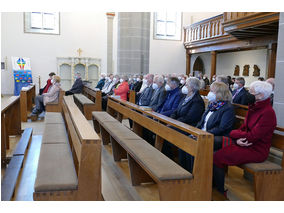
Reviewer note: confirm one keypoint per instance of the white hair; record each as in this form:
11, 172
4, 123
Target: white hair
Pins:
262, 87
194, 83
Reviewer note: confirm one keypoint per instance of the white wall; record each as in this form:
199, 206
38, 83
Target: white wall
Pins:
226, 63
168, 56
77, 30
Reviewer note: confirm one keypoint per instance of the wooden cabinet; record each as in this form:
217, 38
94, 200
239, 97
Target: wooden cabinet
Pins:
90, 69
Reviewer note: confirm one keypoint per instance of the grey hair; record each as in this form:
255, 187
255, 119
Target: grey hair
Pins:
222, 78
241, 80
159, 79
125, 78
193, 83
262, 87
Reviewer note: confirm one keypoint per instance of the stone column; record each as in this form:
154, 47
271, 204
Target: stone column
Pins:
110, 17
278, 102
133, 43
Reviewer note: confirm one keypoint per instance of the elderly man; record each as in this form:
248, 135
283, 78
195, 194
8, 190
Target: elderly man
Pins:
77, 86
159, 93
251, 142
146, 95
240, 95
173, 97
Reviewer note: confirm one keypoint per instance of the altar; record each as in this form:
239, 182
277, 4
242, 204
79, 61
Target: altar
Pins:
90, 69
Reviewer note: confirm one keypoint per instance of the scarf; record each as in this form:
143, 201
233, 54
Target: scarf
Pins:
214, 106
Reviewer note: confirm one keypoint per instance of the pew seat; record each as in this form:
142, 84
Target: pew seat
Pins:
56, 105
69, 166
85, 105
13, 170
56, 170
264, 166
146, 163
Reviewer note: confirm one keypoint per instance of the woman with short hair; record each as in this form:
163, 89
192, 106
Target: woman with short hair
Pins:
251, 142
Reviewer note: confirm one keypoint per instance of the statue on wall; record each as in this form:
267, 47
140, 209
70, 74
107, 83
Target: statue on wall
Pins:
256, 70
237, 70
246, 70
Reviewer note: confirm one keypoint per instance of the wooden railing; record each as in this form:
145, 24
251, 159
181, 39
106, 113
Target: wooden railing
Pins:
206, 29
229, 16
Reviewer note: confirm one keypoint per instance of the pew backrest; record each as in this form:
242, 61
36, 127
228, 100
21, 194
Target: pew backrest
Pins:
200, 145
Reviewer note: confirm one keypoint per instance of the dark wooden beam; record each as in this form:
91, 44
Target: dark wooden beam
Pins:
188, 58
272, 48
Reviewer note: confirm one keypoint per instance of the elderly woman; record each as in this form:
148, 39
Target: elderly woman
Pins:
251, 142
123, 88
51, 95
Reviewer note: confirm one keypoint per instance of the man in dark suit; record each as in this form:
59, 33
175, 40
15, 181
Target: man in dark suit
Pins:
159, 93
77, 86
240, 95
146, 95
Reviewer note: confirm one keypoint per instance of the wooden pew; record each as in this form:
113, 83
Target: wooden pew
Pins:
132, 96
12, 172
27, 100
70, 163
55, 106
200, 186
93, 95
268, 176
85, 105
10, 123
204, 92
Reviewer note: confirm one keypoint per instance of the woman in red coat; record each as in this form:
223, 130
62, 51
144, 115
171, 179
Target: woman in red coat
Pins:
123, 88
251, 142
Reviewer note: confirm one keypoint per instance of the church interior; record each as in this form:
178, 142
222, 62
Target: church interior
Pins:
74, 126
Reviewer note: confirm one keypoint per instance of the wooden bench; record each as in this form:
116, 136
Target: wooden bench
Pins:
204, 92
10, 123
93, 95
55, 106
132, 96
269, 176
85, 105
12, 172
27, 100
195, 186
69, 165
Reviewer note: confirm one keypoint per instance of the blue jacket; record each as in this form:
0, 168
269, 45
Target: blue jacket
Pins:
191, 111
241, 97
100, 84
221, 122
171, 102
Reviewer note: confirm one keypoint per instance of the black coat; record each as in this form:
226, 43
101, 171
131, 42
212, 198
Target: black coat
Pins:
190, 112
241, 97
77, 86
137, 86
221, 122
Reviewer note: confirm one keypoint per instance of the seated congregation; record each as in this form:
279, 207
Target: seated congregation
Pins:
178, 97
